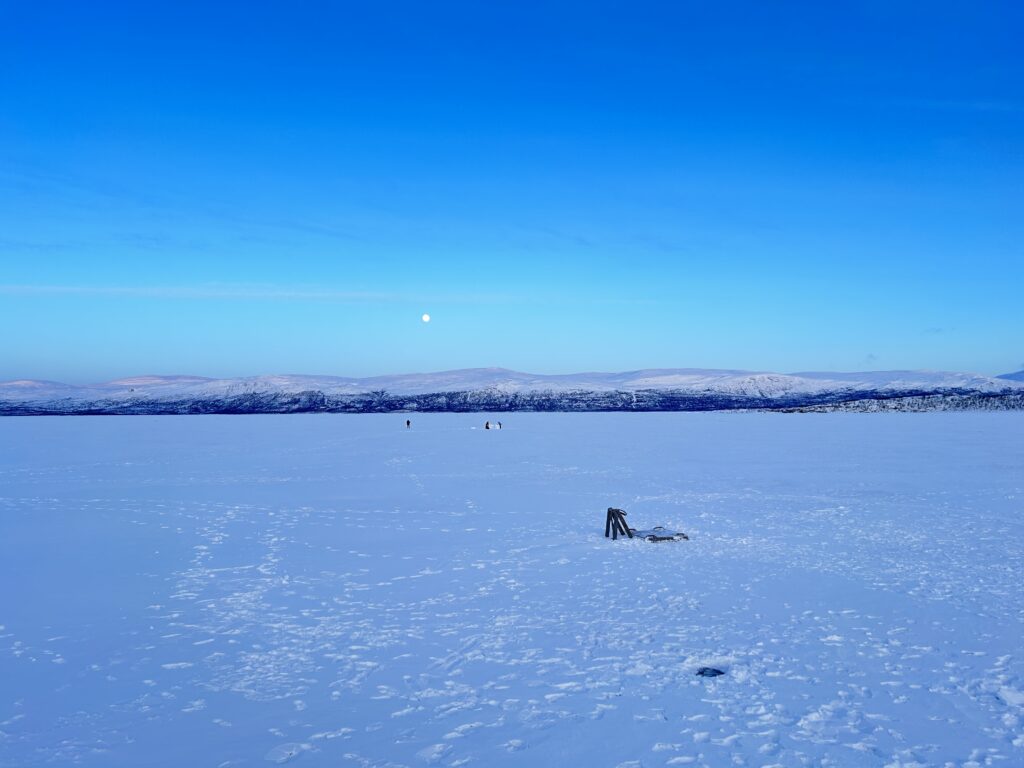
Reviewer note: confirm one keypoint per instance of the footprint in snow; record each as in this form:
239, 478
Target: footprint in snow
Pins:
285, 752
434, 753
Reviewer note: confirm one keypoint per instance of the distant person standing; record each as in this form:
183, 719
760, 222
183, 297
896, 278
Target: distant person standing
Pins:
487, 425
408, 423
499, 425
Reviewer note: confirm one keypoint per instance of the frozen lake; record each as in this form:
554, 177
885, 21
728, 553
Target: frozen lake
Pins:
338, 590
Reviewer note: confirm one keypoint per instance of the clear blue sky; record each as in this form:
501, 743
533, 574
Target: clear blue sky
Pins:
230, 189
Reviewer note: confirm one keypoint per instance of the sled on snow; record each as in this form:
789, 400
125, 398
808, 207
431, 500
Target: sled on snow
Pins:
615, 525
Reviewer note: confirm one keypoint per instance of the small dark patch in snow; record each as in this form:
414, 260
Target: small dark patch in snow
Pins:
709, 672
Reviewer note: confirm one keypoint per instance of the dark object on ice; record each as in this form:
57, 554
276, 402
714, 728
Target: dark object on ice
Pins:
709, 672
615, 523
408, 423
615, 526
658, 533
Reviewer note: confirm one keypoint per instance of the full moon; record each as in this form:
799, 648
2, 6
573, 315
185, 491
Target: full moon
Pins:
426, 318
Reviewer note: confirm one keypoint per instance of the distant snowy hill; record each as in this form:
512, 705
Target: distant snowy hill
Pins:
1018, 376
498, 389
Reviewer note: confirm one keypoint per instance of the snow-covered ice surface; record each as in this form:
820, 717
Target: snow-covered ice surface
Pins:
338, 590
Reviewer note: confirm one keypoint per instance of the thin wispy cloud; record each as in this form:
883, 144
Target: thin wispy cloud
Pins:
994, 106
964, 105
86, 191
242, 292
239, 292
271, 293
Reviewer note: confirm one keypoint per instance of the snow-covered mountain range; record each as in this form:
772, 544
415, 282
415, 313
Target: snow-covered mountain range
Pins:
498, 389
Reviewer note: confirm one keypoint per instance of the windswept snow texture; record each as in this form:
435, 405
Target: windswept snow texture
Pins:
333, 591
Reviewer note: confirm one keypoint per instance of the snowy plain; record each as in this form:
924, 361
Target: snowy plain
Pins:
339, 590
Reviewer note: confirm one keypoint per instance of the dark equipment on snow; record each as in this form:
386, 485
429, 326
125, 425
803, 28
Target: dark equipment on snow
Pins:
658, 533
615, 523
709, 672
615, 526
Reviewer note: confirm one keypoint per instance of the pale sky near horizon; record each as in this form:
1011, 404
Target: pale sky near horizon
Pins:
234, 189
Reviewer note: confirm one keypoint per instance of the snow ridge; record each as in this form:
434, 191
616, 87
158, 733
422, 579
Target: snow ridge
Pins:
499, 389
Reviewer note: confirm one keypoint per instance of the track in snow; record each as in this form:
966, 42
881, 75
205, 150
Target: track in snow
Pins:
339, 590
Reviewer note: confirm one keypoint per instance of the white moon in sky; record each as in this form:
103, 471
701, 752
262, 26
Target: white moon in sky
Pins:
426, 318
